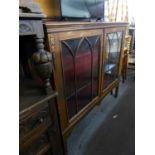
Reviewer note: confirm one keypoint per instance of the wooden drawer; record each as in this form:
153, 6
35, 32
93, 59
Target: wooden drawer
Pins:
34, 120
39, 146
33, 127
39, 132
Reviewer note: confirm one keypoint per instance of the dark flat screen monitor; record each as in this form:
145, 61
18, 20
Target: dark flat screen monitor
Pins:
82, 8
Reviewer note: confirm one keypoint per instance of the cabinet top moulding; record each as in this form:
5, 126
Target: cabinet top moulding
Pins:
72, 26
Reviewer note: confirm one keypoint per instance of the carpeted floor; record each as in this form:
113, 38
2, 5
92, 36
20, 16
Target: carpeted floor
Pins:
109, 129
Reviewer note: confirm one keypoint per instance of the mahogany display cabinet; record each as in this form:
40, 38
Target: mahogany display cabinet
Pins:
87, 60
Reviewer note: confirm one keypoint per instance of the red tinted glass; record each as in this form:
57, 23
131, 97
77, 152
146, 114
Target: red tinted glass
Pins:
80, 62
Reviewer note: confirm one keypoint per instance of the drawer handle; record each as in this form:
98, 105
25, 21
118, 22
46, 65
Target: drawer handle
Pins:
41, 120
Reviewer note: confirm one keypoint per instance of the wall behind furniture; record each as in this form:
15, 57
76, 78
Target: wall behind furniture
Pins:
51, 8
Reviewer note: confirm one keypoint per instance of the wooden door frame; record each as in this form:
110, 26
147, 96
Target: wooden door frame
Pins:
66, 124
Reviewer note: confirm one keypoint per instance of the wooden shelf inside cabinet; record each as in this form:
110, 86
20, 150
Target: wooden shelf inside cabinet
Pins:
40, 100
31, 97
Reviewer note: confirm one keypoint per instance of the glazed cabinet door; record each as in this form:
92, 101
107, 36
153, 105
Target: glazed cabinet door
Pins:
77, 71
112, 56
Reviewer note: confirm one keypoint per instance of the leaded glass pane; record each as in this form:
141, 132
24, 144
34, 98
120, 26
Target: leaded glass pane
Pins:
83, 64
112, 57
68, 70
96, 56
80, 62
71, 106
84, 96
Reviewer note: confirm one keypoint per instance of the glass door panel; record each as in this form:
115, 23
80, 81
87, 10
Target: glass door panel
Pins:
71, 106
80, 62
112, 57
68, 69
83, 64
84, 96
95, 65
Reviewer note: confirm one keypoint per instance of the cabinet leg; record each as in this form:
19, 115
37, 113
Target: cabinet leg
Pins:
116, 91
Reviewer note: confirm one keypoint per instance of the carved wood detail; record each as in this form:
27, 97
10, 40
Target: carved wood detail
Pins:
25, 28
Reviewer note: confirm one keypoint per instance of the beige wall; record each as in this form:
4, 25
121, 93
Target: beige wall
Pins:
51, 8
